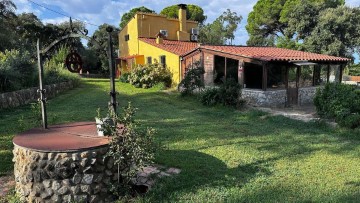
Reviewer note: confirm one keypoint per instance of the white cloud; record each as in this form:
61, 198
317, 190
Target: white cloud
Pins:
55, 20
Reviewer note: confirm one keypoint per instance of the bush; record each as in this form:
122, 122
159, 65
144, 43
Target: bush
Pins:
354, 70
125, 78
339, 101
17, 70
146, 76
55, 71
228, 94
192, 80
210, 97
130, 147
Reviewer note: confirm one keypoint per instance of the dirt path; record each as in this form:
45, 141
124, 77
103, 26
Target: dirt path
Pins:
6, 184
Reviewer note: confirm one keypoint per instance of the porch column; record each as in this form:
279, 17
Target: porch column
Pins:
328, 74
264, 79
225, 67
341, 67
241, 73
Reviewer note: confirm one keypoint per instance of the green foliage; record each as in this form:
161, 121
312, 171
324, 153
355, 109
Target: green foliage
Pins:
227, 94
286, 19
102, 36
125, 77
221, 30
210, 96
192, 80
146, 76
127, 16
55, 71
17, 70
130, 147
336, 32
354, 70
193, 12
339, 101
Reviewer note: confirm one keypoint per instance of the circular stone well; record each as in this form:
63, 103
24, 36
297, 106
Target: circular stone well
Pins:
65, 163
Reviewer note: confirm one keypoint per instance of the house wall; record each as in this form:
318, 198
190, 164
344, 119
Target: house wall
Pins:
172, 60
130, 47
150, 24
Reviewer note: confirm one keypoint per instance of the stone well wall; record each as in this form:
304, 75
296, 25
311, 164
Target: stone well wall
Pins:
25, 96
277, 98
77, 176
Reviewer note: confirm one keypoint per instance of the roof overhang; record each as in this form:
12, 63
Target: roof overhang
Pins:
303, 63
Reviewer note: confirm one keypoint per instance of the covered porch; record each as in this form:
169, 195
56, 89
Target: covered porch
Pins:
271, 77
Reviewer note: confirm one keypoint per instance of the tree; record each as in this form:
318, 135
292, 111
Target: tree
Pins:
194, 12
337, 32
101, 35
221, 30
271, 19
127, 16
7, 9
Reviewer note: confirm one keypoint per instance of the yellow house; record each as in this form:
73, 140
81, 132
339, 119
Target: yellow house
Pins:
151, 37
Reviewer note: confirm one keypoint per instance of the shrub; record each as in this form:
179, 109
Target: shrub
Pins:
210, 96
130, 147
17, 70
228, 94
339, 101
55, 71
146, 76
125, 78
192, 80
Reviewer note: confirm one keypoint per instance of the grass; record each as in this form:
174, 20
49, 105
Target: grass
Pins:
225, 155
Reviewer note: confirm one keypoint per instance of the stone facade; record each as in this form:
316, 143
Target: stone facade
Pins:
76, 176
209, 69
277, 98
25, 96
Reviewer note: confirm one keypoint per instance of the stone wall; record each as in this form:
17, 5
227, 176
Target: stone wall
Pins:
25, 96
307, 94
78, 176
269, 98
277, 98
209, 69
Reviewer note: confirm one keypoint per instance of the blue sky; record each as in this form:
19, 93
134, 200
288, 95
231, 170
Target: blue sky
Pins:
110, 11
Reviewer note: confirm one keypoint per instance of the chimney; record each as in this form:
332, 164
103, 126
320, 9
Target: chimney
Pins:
159, 38
182, 17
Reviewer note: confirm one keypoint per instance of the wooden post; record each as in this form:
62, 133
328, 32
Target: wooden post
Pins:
298, 72
241, 73
264, 79
341, 73
328, 74
225, 68
313, 78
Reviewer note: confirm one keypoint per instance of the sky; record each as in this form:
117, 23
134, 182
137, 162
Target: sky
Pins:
98, 12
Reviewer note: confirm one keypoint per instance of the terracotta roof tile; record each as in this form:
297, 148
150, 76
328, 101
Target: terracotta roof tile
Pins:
176, 47
274, 54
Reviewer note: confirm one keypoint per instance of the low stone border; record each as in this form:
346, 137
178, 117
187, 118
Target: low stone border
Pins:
25, 96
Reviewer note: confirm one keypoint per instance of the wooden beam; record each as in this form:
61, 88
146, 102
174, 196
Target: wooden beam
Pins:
341, 73
328, 74
264, 78
313, 78
297, 76
225, 68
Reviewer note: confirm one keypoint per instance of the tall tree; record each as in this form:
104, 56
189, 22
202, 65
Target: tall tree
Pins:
7, 9
194, 12
221, 30
337, 32
271, 19
127, 16
101, 35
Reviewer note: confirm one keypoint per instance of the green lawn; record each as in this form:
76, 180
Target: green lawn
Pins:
225, 155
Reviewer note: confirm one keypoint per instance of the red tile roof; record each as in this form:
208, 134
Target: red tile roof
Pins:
176, 47
261, 53
274, 54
